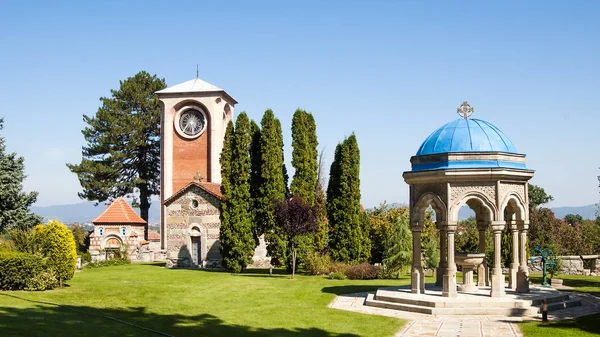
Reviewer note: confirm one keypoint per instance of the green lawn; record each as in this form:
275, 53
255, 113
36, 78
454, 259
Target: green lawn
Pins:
191, 303
581, 327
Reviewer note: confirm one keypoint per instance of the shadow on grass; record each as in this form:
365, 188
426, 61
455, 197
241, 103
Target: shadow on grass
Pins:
351, 289
570, 327
42, 319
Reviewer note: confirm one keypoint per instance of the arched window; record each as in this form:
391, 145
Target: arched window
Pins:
100, 231
123, 231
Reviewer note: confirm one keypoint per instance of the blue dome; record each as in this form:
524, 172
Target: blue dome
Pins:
466, 135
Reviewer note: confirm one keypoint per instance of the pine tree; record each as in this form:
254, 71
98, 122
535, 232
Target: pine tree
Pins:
122, 155
348, 240
273, 187
14, 202
237, 241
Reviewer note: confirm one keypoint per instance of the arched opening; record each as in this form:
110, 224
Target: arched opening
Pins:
513, 214
112, 247
473, 235
428, 218
196, 244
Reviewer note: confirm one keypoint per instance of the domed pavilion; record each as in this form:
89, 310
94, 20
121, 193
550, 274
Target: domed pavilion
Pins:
470, 162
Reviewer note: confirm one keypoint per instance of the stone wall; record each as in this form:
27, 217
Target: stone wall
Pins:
194, 214
571, 265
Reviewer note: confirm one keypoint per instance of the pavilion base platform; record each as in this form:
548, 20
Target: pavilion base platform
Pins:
478, 302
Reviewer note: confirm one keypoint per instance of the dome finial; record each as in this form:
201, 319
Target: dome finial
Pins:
465, 110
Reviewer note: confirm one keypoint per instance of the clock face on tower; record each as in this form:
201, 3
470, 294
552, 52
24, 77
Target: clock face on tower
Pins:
190, 123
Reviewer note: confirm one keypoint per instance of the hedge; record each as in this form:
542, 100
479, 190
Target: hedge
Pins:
23, 271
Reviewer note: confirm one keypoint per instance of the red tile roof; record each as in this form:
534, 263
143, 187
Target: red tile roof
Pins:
153, 235
211, 188
119, 212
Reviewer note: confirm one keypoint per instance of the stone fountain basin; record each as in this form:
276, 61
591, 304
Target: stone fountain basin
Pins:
469, 259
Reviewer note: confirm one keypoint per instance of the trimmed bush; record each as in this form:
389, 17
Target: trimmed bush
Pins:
339, 267
45, 280
59, 247
106, 263
17, 269
337, 276
363, 271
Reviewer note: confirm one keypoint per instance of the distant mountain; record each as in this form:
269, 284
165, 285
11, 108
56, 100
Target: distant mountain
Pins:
86, 212
586, 212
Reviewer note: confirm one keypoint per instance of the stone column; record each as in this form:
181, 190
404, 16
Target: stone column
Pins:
497, 276
514, 267
417, 279
482, 269
443, 254
523, 273
449, 286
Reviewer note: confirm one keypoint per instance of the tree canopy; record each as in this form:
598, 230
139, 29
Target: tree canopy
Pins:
122, 154
538, 196
15, 203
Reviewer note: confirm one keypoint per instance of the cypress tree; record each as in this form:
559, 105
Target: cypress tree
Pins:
227, 230
348, 240
273, 187
255, 178
237, 242
304, 182
304, 156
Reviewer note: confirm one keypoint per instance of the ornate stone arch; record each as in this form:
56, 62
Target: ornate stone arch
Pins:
514, 202
423, 201
478, 202
111, 241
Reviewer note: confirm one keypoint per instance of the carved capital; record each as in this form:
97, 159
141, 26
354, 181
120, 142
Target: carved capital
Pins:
498, 226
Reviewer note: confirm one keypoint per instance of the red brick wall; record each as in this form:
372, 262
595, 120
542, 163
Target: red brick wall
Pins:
190, 157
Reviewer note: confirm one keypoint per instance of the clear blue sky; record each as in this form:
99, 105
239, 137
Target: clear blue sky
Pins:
390, 71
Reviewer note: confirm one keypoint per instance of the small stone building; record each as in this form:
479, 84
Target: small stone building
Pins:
118, 228
192, 226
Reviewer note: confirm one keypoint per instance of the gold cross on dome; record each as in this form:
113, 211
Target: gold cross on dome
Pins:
465, 110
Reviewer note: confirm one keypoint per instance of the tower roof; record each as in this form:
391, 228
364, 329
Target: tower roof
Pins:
119, 212
195, 85
466, 135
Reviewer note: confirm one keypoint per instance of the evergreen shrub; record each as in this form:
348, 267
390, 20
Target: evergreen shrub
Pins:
18, 269
318, 264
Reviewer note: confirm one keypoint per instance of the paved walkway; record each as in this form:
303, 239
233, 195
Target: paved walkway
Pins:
429, 325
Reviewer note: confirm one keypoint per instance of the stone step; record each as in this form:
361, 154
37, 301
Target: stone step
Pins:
527, 311
372, 302
552, 299
563, 305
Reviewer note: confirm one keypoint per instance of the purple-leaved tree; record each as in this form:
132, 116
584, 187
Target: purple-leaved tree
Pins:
295, 217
